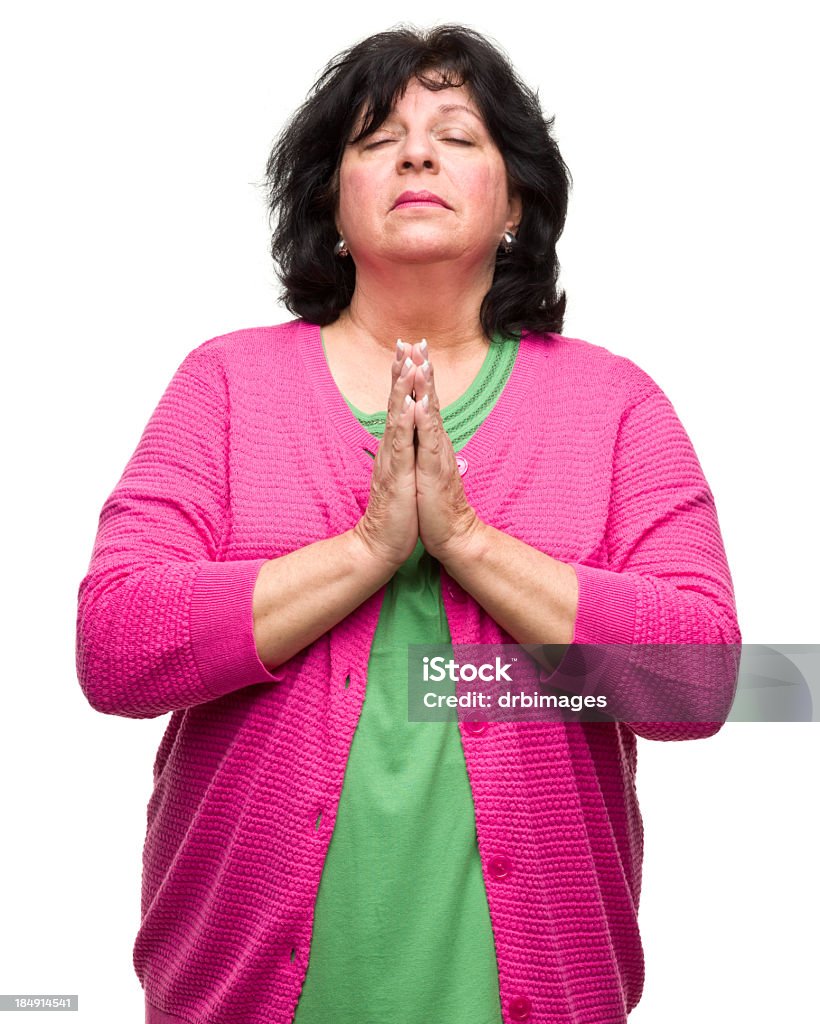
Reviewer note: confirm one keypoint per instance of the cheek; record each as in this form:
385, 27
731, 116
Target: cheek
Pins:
486, 189
358, 194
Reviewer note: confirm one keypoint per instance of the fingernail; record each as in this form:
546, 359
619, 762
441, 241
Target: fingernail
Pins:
424, 403
407, 401
408, 362
423, 346
399, 349
425, 369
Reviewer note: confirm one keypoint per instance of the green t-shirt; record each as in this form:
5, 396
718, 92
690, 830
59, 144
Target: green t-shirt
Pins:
402, 931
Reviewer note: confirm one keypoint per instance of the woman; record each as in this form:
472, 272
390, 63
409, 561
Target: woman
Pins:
419, 457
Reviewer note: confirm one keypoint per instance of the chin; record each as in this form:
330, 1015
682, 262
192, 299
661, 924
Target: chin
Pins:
421, 239
417, 250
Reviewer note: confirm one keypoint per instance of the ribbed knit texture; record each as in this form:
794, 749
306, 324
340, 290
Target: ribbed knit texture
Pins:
252, 453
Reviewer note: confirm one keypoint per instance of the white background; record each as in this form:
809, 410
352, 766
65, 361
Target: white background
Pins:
135, 139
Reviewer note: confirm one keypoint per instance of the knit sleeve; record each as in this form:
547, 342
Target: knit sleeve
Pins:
162, 622
668, 582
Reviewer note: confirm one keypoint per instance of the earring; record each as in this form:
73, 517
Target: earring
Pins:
340, 248
508, 240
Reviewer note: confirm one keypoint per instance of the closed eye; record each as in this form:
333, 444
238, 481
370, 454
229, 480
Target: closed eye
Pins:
462, 142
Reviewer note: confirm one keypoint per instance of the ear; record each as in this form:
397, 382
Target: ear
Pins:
333, 190
515, 210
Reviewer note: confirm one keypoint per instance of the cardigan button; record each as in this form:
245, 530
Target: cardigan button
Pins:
474, 727
500, 866
462, 464
519, 1008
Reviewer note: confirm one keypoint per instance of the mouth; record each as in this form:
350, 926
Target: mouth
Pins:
428, 199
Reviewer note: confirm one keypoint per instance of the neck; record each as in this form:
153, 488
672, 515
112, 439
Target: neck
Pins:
415, 301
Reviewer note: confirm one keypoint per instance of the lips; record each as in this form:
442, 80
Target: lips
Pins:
427, 198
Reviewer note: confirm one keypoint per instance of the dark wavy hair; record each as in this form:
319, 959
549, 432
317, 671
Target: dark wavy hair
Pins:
302, 183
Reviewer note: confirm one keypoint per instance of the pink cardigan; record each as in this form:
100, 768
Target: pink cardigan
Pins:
251, 453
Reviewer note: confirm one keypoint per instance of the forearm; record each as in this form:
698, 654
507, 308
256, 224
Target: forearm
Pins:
678, 689
531, 595
301, 595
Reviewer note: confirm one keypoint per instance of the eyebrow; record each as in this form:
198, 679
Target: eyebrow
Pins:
448, 108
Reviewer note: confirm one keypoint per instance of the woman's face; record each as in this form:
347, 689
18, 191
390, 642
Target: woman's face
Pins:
436, 142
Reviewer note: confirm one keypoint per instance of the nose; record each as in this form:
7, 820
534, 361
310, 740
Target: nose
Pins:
416, 152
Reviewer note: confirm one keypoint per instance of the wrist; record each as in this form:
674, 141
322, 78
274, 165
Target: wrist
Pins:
364, 553
466, 547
